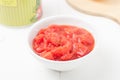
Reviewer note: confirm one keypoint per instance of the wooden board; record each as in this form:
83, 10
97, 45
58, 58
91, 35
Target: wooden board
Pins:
106, 8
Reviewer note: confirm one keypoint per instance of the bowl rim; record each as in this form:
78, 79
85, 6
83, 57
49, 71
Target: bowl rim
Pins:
57, 17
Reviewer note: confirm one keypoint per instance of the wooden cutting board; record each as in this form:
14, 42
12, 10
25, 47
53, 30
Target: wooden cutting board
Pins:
106, 8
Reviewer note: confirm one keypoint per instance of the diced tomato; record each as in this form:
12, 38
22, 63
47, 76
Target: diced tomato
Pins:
63, 42
67, 56
47, 55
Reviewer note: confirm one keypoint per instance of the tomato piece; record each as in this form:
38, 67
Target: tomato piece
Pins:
47, 55
67, 56
54, 39
38, 39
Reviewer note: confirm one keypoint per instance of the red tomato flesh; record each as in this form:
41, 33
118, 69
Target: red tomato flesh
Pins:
63, 42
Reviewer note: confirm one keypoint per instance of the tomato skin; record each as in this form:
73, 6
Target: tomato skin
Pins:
63, 42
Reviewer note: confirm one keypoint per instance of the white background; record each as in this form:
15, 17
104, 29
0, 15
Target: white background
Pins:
16, 62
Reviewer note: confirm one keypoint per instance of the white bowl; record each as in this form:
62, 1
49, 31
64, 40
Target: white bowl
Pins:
66, 20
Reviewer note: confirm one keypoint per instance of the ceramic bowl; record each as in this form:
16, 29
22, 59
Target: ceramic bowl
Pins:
66, 20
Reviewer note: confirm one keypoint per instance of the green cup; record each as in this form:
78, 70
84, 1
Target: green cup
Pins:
19, 12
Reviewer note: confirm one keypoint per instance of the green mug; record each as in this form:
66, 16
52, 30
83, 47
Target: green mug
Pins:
19, 12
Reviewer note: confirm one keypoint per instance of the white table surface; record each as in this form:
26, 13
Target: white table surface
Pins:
16, 62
